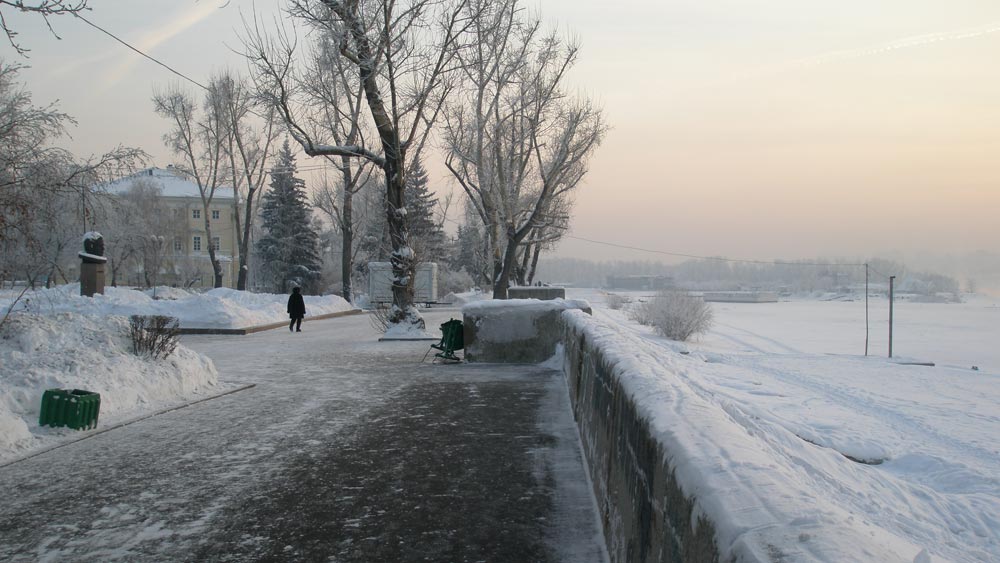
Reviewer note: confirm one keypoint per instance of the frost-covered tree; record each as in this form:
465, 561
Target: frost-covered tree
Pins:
401, 54
249, 149
45, 192
44, 8
517, 141
289, 244
426, 232
332, 81
200, 140
472, 254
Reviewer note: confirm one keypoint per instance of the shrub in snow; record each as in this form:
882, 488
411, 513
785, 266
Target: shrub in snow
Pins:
639, 312
616, 301
380, 316
674, 314
155, 336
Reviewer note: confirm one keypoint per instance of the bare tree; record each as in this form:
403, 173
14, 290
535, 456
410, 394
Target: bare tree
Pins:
338, 201
517, 142
402, 53
44, 8
333, 83
249, 150
201, 142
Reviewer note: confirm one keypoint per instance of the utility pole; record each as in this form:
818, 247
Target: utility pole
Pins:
866, 309
892, 280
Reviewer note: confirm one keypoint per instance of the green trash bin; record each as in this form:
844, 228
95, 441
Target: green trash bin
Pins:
75, 408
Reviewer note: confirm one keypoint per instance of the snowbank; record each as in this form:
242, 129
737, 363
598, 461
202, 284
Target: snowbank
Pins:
217, 308
73, 351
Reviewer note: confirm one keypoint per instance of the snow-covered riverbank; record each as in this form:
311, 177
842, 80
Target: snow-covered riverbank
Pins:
909, 452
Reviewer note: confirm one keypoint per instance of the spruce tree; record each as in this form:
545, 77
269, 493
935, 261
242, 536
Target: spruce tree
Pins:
289, 248
427, 237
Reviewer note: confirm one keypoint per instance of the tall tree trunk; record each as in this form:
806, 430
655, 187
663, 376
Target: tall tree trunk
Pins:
506, 266
522, 269
403, 265
216, 264
347, 246
395, 174
241, 279
496, 249
536, 252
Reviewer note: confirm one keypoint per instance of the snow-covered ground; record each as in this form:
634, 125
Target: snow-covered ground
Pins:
907, 455
806, 430
216, 308
57, 339
73, 351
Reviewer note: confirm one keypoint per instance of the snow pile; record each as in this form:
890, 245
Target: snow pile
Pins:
217, 308
412, 327
73, 351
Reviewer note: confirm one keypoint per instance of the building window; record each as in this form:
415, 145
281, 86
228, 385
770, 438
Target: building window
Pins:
196, 213
178, 245
196, 244
216, 244
215, 214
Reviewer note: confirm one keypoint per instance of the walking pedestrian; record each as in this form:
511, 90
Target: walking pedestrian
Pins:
296, 310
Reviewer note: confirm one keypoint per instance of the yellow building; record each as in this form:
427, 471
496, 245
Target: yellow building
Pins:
185, 260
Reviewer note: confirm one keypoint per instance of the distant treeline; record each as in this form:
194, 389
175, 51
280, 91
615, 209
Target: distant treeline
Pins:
721, 275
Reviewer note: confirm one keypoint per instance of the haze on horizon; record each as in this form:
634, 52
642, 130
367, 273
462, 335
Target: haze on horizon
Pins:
797, 130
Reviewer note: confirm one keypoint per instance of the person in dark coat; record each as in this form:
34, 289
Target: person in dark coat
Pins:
296, 310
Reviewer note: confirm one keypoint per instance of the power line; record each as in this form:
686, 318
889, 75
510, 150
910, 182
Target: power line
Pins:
150, 57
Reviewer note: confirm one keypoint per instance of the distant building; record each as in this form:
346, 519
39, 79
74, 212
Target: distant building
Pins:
185, 255
740, 297
640, 283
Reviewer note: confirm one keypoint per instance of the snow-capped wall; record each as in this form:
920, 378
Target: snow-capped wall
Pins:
680, 477
514, 331
645, 512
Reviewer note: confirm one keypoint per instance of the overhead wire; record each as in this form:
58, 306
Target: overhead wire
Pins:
140, 52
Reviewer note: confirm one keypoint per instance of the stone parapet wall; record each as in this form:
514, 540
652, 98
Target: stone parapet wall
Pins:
645, 515
544, 293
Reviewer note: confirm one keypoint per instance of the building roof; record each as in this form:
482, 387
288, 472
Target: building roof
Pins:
171, 181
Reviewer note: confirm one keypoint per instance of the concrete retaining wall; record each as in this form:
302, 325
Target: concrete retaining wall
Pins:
514, 331
646, 516
542, 292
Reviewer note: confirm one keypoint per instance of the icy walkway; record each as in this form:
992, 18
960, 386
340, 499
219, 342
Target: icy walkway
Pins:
347, 450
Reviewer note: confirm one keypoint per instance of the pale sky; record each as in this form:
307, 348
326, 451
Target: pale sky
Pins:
749, 129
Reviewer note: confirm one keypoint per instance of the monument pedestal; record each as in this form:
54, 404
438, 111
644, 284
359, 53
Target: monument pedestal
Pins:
91, 279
